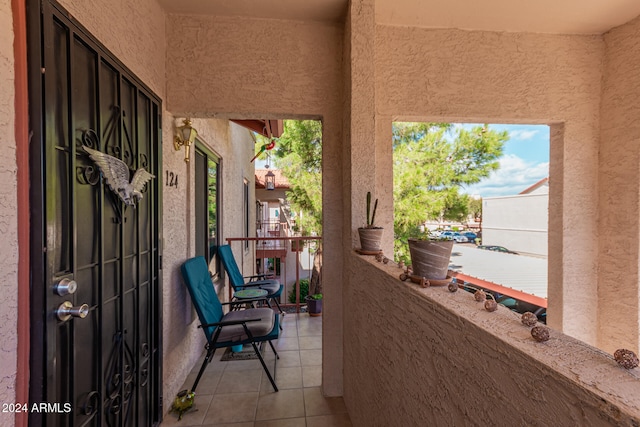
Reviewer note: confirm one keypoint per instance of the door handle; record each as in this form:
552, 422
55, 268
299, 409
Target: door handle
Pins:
66, 311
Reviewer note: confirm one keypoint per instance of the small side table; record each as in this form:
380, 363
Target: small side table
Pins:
251, 293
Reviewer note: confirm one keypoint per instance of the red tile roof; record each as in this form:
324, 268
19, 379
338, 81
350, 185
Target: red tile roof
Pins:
281, 180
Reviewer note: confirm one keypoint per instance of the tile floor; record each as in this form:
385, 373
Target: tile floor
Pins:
239, 394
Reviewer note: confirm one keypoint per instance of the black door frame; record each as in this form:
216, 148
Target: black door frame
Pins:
39, 314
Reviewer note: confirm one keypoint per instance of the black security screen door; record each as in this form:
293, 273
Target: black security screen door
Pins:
96, 285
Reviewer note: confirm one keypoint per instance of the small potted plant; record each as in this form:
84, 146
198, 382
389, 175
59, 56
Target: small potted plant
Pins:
370, 235
314, 304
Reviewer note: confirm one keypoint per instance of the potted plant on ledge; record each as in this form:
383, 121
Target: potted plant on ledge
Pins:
430, 259
314, 304
370, 235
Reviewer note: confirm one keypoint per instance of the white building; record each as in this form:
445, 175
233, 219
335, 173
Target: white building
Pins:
519, 222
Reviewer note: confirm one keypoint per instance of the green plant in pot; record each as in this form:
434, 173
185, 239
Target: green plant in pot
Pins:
371, 235
314, 304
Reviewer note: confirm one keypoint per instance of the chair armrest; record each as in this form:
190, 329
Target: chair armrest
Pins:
252, 284
245, 300
257, 276
231, 322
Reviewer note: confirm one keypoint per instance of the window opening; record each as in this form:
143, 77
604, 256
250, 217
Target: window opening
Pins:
484, 186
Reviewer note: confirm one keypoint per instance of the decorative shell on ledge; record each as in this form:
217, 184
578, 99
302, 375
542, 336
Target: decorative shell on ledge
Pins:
480, 295
529, 319
490, 305
626, 358
540, 333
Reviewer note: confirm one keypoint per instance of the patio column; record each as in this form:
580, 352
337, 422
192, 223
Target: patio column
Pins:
360, 120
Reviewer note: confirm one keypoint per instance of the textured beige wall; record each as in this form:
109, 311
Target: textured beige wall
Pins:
454, 75
8, 215
618, 174
259, 68
430, 357
133, 31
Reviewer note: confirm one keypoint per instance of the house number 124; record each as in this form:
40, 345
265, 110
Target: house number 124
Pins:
172, 179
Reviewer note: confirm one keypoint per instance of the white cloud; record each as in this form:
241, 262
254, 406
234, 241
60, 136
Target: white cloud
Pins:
523, 134
514, 175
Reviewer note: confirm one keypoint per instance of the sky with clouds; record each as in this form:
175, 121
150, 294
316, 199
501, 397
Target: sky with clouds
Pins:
525, 161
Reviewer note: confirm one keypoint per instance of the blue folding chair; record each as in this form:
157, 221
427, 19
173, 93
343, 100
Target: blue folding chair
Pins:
237, 327
238, 282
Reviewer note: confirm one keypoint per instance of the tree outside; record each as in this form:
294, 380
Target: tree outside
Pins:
432, 162
298, 154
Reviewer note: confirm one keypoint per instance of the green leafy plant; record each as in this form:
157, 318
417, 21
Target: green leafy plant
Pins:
371, 218
304, 291
315, 296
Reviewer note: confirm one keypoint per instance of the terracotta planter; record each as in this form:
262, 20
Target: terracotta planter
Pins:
370, 239
430, 258
314, 306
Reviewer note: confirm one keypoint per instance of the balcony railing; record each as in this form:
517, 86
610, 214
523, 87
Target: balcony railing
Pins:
274, 255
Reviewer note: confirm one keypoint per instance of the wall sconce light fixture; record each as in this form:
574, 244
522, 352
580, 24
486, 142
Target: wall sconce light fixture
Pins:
185, 136
270, 180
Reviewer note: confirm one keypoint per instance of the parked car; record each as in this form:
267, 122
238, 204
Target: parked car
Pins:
470, 235
459, 238
497, 249
447, 234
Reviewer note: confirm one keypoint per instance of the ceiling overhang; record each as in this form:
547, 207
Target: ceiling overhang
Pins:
266, 128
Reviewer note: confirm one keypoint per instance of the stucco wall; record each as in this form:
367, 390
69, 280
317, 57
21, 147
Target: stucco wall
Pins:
133, 31
473, 76
618, 174
430, 357
518, 222
8, 214
183, 343
260, 68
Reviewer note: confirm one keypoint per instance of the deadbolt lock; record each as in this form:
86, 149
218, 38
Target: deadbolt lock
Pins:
65, 287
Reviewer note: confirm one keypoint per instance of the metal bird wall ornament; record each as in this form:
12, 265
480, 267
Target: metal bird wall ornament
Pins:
116, 174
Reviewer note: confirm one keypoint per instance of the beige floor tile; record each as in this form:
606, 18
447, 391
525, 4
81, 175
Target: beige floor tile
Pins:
283, 404
286, 378
289, 343
289, 359
242, 365
317, 404
310, 343
289, 422
239, 381
208, 382
232, 408
310, 330
312, 376
249, 424
193, 417
311, 357
335, 420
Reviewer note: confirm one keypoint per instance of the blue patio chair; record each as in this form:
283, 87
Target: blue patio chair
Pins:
237, 327
238, 282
